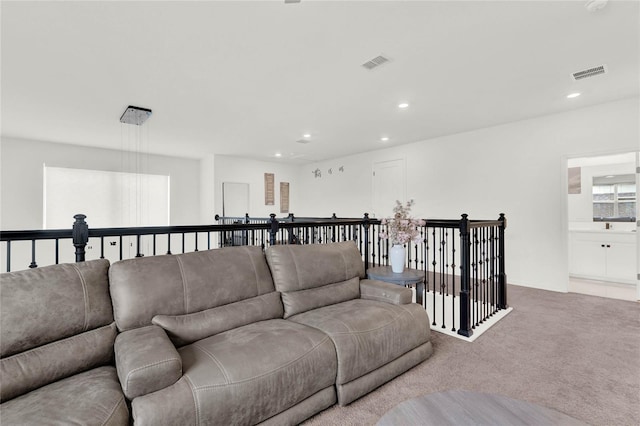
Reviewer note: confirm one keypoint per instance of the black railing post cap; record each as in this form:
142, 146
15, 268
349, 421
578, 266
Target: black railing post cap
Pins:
79, 217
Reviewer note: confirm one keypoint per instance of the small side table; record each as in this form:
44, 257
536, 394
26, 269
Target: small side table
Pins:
405, 278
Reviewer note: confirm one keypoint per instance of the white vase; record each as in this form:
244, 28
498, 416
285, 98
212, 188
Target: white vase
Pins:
396, 257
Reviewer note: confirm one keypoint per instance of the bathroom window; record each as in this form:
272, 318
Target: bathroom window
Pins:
614, 198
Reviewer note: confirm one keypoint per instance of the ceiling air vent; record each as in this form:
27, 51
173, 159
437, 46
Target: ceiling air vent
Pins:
375, 62
591, 72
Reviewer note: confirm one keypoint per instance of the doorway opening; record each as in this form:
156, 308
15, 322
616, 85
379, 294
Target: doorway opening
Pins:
602, 213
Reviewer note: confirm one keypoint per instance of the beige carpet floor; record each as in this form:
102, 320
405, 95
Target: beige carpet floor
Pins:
574, 353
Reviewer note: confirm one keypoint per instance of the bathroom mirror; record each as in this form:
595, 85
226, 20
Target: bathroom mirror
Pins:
614, 198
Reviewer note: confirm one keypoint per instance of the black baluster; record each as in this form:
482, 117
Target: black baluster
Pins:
33, 263
453, 275
435, 263
8, 256
443, 270
138, 254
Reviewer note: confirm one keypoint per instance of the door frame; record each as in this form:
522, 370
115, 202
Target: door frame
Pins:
565, 206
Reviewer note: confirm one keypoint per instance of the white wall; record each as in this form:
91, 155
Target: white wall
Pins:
239, 170
207, 190
517, 168
22, 160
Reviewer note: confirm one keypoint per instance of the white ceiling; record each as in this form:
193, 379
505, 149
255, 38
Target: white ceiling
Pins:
249, 78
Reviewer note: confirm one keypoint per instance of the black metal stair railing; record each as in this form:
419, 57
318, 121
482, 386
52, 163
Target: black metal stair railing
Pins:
463, 260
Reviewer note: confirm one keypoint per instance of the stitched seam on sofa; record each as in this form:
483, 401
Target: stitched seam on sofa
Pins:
240, 382
395, 319
379, 298
255, 271
215, 360
323, 287
144, 367
406, 309
85, 295
196, 402
57, 342
295, 265
113, 410
344, 263
184, 286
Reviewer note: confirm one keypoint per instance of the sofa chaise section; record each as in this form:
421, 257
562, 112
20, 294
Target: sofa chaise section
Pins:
203, 342
56, 341
378, 333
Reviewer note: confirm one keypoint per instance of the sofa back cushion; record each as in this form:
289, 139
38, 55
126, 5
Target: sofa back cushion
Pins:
315, 275
176, 285
55, 321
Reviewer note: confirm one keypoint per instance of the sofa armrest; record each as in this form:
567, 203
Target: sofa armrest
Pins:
385, 292
146, 361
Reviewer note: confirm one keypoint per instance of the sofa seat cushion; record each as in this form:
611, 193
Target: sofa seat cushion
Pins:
368, 334
244, 376
90, 398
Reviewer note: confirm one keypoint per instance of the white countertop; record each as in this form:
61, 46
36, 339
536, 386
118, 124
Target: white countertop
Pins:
604, 231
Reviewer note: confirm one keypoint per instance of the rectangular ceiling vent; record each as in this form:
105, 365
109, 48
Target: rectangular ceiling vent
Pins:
591, 72
375, 62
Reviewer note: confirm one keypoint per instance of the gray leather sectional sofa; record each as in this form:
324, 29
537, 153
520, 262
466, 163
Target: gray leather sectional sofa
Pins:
226, 336
56, 341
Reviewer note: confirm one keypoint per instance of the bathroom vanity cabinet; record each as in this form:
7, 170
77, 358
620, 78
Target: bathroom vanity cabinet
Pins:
603, 255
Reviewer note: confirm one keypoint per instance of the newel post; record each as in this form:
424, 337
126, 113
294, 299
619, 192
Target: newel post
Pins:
80, 236
465, 278
366, 223
502, 274
274, 229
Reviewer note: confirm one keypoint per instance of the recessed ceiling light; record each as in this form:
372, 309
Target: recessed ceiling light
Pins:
403, 105
573, 95
278, 154
384, 138
306, 135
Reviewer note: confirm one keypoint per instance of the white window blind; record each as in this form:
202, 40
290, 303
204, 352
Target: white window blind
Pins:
109, 199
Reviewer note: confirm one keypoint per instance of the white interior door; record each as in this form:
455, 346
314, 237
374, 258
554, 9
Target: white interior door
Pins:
389, 185
235, 199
